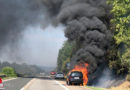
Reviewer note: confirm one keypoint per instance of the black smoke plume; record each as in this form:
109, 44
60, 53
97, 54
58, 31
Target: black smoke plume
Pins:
15, 15
87, 23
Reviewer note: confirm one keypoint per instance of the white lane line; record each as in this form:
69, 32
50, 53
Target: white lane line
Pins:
28, 84
9, 79
62, 85
22, 89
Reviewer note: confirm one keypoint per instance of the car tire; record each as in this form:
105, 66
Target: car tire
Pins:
82, 84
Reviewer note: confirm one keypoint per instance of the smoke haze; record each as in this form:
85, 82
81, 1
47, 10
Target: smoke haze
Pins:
87, 23
26, 34
35, 46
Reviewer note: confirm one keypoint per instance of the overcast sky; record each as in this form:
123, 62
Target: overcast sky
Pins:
36, 46
41, 46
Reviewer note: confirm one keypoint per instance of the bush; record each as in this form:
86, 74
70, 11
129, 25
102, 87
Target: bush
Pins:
122, 64
9, 71
128, 77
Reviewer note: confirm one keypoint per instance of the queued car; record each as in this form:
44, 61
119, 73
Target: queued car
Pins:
59, 75
52, 73
1, 84
74, 77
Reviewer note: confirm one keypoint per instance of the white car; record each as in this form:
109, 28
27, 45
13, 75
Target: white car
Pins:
59, 75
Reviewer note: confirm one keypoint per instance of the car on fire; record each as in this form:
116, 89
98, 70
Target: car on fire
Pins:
74, 77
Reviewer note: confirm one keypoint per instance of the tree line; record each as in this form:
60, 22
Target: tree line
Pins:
21, 69
120, 26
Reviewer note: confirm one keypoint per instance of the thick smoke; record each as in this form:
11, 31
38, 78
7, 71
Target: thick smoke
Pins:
94, 40
86, 23
15, 15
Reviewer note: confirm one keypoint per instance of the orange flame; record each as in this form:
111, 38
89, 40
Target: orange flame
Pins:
82, 67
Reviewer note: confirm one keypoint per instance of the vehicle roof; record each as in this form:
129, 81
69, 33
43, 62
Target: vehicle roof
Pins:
76, 71
59, 73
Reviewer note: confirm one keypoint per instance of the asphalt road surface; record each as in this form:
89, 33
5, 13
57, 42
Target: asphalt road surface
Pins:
40, 84
16, 84
50, 84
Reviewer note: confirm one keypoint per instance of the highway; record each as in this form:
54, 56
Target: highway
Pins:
40, 84
50, 84
16, 84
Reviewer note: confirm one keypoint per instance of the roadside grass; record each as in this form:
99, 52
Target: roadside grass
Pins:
6, 78
96, 88
124, 86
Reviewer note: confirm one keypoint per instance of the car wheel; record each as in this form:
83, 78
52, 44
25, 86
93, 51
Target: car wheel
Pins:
82, 84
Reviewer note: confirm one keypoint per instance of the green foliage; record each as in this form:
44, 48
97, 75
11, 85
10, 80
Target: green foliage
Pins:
9, 71
22, 69
128, 77
121, 25
64, 68
121, 20
95, 88
64, 56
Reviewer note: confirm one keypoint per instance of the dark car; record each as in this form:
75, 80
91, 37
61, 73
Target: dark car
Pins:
75, 77
59, 75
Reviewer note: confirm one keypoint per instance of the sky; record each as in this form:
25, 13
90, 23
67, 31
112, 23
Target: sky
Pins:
37, 46
23, 43
42, 45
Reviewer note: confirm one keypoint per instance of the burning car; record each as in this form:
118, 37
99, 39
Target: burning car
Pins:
75, 77
78, 75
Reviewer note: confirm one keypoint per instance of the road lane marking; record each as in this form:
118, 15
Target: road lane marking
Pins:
62, 85
22, 89
9, 79
28, 84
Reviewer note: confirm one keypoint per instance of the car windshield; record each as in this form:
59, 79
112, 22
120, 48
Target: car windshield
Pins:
76, 74
59, 73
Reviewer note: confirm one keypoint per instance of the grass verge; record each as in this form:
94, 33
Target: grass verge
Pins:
96, 88
6, 78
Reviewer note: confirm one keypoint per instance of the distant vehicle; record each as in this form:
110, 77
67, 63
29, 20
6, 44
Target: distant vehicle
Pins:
59, 75
74, 77
1, 84
52, 73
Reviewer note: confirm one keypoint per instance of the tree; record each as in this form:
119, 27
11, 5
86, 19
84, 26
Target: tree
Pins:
64, 67
64, 56
120, 24
121, 20
9, 71
22, 69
